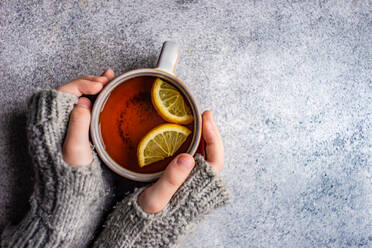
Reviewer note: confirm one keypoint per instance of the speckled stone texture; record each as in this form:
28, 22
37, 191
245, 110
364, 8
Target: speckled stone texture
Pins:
289, 83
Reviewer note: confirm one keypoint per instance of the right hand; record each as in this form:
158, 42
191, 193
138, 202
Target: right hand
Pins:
76, 149
156, 197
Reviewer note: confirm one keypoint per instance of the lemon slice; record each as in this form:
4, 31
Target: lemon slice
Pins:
169, 103
161, 142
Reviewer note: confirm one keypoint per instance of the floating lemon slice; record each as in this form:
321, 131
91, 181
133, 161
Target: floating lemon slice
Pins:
169, 103
161, 142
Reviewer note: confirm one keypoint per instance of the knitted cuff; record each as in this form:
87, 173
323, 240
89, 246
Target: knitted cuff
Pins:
67, 215
203, 186
65, 190
67, 202
130, 226
50, 105
46, 128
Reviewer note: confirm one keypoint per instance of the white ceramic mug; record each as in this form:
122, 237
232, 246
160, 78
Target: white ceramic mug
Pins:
165, 69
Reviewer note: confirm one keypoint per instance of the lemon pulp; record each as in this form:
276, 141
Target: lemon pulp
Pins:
161, 142
169, 103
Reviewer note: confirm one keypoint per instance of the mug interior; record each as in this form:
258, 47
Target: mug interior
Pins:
101, 101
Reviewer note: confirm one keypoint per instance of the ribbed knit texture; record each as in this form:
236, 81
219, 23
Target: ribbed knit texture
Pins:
67, 202
129, 226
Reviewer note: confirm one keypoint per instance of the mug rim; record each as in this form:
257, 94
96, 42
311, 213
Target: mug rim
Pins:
101, 101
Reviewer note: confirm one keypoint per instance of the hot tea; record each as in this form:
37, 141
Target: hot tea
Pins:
127, 116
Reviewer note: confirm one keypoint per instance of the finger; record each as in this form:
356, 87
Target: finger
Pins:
99, 79
76, 149
109, 74
213, 140
88, 87
79, 87
201, 148
156, 197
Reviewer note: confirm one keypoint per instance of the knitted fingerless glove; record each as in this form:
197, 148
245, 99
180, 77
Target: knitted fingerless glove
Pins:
129, 226
67, 202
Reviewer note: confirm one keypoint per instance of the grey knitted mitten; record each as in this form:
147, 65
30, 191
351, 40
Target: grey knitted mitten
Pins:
67, 202
129, 226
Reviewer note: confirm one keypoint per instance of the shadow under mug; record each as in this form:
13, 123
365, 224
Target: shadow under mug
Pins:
165, 69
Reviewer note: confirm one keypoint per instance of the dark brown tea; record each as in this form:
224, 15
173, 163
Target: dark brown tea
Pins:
126, 118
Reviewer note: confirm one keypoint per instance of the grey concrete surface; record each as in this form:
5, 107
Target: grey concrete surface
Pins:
289, 83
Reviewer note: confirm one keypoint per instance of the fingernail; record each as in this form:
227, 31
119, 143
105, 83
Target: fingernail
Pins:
84, 102
104, 72
185, 161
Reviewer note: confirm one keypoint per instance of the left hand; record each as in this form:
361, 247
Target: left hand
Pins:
156, 197
76, 148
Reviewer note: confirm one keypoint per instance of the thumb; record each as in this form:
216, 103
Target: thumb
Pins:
76, 149
157, 196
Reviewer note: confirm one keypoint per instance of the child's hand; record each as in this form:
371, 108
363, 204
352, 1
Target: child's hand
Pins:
156, 197
76, 149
